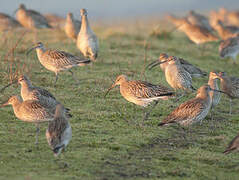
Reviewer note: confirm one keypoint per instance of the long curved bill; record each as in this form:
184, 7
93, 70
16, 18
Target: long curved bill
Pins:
155, 63
31, 50
215, 90
14, 82
109, 90
4, 104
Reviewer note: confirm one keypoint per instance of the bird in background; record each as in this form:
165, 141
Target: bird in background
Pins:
72, 26
57, 61
31, 19
87, 41
229, 48
59, 132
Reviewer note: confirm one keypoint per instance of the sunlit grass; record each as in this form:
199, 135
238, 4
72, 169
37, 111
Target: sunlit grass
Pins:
108, 141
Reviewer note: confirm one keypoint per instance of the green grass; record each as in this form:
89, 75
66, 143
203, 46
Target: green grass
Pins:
108, 141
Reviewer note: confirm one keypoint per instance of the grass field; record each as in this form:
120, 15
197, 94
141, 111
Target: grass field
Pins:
108, 139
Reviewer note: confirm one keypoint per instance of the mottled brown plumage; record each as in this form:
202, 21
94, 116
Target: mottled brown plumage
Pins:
59, 132
223, 31
30, 111
199, 20
72, 26
192, 111
7, 22
58, 61
195, 33
176, 76
191, 69
229, 48
30, 92
140, 92
30, 18
229, 85
233, 145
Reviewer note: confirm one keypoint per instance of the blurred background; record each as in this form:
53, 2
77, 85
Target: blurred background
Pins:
112, 9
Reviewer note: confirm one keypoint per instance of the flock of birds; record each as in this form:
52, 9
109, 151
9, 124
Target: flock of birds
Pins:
38, 105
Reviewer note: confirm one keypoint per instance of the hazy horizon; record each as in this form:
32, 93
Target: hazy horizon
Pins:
110, 9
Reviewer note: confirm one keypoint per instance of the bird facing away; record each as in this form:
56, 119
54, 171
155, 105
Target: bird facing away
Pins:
140, 92
229, 48
199, 20
229, 85
192, 111
233, 146
31, 19
176, 76
195, 33
72, 26
193, 70
223, 31
30, 111
87, 41
59, 132
7, 22
57, 61
30, 92
215, 96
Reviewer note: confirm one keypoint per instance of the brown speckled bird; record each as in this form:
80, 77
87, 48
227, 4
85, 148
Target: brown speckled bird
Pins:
140, 92
223, 31
229, 48
30, 111
30, 18
229, 85
192, 111
7, 22
57, 61
30, 92
233, 146
195, 33
193, 70
59, 132
199, 20
176, 76
72, 26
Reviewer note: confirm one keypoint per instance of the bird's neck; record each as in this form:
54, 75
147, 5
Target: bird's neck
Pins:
40, 51
85, 26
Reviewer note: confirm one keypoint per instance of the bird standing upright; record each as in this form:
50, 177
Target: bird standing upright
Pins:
140, 92
87, 41
57, 61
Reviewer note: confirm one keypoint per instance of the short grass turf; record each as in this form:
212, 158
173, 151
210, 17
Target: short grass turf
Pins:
109, 141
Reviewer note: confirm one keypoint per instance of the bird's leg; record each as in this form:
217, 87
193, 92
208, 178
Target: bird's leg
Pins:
76, 80
37, 133
230, 112
56, 79
211, 114
146, 114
